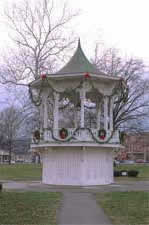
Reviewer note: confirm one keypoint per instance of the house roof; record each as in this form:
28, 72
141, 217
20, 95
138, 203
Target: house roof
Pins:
78, 64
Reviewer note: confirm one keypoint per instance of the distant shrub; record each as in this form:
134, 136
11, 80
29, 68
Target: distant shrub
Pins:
133, 173
117, 173
1, 187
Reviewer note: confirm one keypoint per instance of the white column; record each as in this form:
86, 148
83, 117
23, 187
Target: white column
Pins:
98, 116
106, 112
41, 115
111, 113
56, 110
45, 111
82, 97
75, 118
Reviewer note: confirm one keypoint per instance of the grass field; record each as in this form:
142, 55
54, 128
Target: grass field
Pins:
142, 168
29, 208
20, 172
126, 207
33, 172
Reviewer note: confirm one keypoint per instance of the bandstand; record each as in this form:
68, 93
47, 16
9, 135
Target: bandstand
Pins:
76, 137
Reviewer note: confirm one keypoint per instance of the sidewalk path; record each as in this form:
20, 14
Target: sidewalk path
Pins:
81, 209
38, 186
78, 206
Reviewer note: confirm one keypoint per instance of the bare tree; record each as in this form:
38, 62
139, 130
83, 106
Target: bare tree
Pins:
41, 35
10, 121
132, 105
16, 122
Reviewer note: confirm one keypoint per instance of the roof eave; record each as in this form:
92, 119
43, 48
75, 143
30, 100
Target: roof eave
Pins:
78, 75
99, 76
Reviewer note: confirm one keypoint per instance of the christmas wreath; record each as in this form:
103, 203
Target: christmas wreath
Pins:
102, 134
63, 133
36, 136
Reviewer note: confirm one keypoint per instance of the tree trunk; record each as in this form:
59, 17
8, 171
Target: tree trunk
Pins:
10, 152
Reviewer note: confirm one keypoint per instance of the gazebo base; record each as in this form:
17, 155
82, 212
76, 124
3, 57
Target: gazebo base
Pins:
80, 166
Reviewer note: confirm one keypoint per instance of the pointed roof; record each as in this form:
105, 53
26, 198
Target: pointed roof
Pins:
78, 64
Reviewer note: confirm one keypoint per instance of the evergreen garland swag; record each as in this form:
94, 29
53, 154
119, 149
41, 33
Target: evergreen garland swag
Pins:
38, 100
36, 136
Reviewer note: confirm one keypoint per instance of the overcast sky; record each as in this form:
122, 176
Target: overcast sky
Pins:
118, 23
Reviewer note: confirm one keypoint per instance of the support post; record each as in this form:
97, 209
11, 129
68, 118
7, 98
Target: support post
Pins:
56, 110
82, 97
75, 119
106, 113
45, 111
41, 116
44, 114
111, 113
98, 116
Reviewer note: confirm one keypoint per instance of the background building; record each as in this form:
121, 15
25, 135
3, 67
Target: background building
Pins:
136, 147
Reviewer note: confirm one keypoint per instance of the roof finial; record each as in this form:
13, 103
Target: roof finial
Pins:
79, 43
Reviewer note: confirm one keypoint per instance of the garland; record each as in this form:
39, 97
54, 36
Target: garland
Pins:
66, 138
39, 100
45, 78
69, 138
36, 136
103, 142
120, 88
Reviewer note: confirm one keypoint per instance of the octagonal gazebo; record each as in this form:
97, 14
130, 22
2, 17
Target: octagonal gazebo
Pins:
76, 137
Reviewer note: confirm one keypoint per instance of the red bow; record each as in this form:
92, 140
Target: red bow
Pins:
102, 137
87, 75
43, 76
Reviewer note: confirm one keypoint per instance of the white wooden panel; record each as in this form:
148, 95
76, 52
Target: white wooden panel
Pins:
74, 166
62, 167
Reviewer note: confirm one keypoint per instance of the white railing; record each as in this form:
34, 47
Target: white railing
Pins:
79, 135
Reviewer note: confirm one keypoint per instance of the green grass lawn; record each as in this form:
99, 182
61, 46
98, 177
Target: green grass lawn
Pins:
29, 208
20, 172
142, 168
125, 208
28, 172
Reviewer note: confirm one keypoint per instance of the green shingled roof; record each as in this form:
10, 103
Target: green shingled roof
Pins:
78, 64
